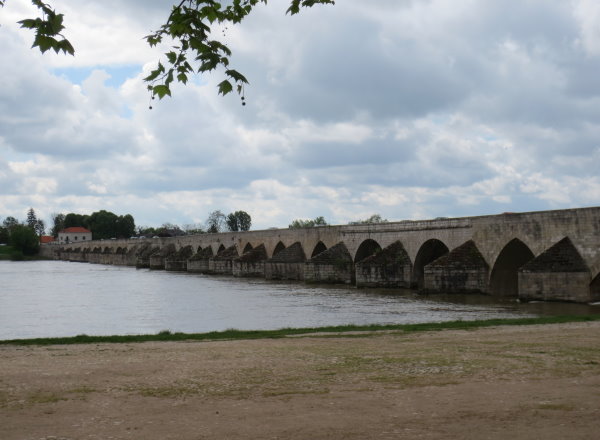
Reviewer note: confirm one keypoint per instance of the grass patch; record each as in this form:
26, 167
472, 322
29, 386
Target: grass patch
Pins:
233, 334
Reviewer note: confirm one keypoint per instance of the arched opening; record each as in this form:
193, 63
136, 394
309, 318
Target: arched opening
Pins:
430, 251
366, 249
221, 249
280, 246
247, 248
320, 247
107, 250
199, 249
504, 280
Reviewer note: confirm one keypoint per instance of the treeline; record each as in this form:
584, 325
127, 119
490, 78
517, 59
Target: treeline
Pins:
103, 224
22, 237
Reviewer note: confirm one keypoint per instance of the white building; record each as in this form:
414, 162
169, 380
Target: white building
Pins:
74, 234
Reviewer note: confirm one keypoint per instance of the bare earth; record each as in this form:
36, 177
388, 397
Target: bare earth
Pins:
496, 383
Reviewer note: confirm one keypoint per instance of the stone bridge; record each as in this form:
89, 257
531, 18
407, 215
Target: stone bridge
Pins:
546, 255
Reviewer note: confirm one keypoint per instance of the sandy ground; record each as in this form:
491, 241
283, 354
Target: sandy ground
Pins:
497, 383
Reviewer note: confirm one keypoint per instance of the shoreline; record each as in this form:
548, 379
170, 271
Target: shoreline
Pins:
341, 330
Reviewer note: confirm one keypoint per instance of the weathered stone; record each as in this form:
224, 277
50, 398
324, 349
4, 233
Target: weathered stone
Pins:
333, 265
463, 269
222, 263
251, 263
390, 267
287, 264
157, 259
559, 274
178, 260
199, 261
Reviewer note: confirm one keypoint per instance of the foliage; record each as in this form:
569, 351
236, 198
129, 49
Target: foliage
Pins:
73, 220
58, 224
47, 28
215, 222
299, 223
24, 239
31, 218
9, 222
375, 218
239, 221
103, 224
3, 235
189, 29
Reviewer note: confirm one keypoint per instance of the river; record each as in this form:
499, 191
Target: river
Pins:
57, 298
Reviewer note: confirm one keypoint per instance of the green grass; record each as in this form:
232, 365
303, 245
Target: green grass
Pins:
233, 334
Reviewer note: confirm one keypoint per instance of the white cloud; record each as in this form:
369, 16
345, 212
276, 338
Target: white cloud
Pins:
407, 109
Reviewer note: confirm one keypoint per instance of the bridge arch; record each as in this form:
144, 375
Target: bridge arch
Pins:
247, 248
429, 251
366, 249
220, 249
319, 247
504, 278
278, 248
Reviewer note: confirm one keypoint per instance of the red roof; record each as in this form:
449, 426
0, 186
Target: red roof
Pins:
75, 229
46, 239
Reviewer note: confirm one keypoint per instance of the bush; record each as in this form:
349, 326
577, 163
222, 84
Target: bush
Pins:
24, 239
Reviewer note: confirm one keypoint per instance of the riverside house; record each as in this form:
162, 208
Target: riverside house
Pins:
74, 234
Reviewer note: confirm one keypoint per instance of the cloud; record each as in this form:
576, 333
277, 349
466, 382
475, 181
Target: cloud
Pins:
407, 109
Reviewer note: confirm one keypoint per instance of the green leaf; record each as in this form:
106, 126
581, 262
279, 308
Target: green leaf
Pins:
172, 57
182, 77
161, 90
225, 87
237, 76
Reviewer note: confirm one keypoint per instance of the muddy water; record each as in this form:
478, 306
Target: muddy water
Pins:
56, 298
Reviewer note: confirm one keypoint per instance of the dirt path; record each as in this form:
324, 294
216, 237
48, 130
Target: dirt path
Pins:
496, 383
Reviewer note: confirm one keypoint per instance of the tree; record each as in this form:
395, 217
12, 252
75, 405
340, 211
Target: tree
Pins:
4, 236
24, 239
72, 219
58, 224
31, 218
375, 218
190, 29
239, 221
215, 222
39, 227
299, 223
9, 222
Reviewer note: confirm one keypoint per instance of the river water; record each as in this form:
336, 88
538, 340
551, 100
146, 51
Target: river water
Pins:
57, 298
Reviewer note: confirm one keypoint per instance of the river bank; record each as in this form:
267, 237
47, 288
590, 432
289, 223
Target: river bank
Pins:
517, 382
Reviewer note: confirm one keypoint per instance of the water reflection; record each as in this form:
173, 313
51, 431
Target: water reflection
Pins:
55, 298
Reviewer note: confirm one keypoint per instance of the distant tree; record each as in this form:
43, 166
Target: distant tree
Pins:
193, 229
300, 223
103, 224
4, 235
58, 224
239, 221
216, 222
375, 218
31, 218
24, 239
125, 226
9, 222
72, 220
146, 231
39, 227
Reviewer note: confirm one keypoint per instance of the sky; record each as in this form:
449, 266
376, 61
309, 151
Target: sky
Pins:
411, 109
